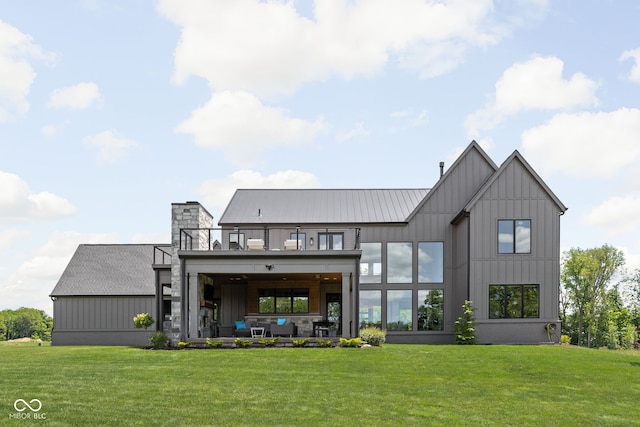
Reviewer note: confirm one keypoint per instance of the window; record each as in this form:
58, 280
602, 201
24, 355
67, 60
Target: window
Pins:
513, 301
399, 310
430, 262
330, 241
236, 241
400, 262
514, 236
299, 236
294, 300
431, 310
370, 309
371, 263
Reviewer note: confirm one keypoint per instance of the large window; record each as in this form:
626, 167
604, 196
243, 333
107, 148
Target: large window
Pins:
430, 262
399, 310
399, 262
431, 310
513, 301
514, 236
330, 241
370, 309
371, 263
294, 300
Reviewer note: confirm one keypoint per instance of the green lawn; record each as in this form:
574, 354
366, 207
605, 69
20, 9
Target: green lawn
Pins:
394, 385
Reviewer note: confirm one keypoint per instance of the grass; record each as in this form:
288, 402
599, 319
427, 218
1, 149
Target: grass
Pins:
394, 385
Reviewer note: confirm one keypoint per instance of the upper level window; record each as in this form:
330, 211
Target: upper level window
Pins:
430, 262
301, 237
330, 241
399, 262
236, 241
371, 263
514, 236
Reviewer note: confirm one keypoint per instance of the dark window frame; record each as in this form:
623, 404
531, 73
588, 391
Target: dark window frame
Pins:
283, 293
504, 309
329, 242
514, 244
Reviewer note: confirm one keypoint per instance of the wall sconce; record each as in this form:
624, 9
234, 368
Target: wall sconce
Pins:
311, 241
53, 298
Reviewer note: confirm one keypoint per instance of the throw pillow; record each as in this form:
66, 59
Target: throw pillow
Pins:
240, 324
282, 321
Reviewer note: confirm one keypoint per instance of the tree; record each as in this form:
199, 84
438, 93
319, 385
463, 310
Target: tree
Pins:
585, 275
465, 325
25, 322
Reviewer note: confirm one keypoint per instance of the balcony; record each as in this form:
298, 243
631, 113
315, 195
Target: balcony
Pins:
269, 239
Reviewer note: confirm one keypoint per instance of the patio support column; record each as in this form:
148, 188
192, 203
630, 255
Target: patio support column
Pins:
193, 306
347, 305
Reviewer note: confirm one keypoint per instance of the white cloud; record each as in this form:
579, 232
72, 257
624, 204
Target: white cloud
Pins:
585, 145
151, 238
9, 237
16, 73
18, 203
618, 215
77, 97
111, 146
218, 192
358, 131
239, 124
32, 281
533, 85
49, 130
267, 47
634, 74
412, 118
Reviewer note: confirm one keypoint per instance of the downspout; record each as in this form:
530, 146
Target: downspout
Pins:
159, 295
468, 255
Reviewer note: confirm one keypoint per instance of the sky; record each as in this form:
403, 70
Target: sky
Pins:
112, 110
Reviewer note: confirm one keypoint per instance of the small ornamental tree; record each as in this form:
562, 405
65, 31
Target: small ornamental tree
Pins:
465, 325
143, 320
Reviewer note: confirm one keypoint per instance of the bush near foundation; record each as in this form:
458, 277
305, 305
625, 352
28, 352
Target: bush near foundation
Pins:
373, 336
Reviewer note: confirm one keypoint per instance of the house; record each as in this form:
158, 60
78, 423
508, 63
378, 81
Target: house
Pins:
404, 260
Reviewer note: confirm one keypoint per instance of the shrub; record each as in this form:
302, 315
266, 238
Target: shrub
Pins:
353, 342
183, 344
373, 336
299, 342
565, 339
464, 326
159, 340
214, 343
269, 342
324, 343
143, 320
243, 343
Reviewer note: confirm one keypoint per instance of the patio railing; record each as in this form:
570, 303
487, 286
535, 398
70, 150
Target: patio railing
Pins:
269, 238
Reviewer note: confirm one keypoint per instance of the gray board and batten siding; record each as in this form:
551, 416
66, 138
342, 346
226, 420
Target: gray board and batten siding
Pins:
99, 293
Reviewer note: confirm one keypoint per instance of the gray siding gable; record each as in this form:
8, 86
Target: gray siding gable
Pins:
108, 270
460, 182
515, 157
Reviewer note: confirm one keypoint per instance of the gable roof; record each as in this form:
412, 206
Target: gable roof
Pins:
108, 270
515, 156
322, 206
472, 149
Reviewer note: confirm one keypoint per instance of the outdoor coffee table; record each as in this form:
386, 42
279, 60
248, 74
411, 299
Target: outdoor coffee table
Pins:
257, 332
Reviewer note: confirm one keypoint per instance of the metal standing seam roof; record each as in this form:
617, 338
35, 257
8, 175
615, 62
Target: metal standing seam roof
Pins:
108, 270
322, 206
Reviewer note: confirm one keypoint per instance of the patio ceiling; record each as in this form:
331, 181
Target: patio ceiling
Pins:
235, 278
